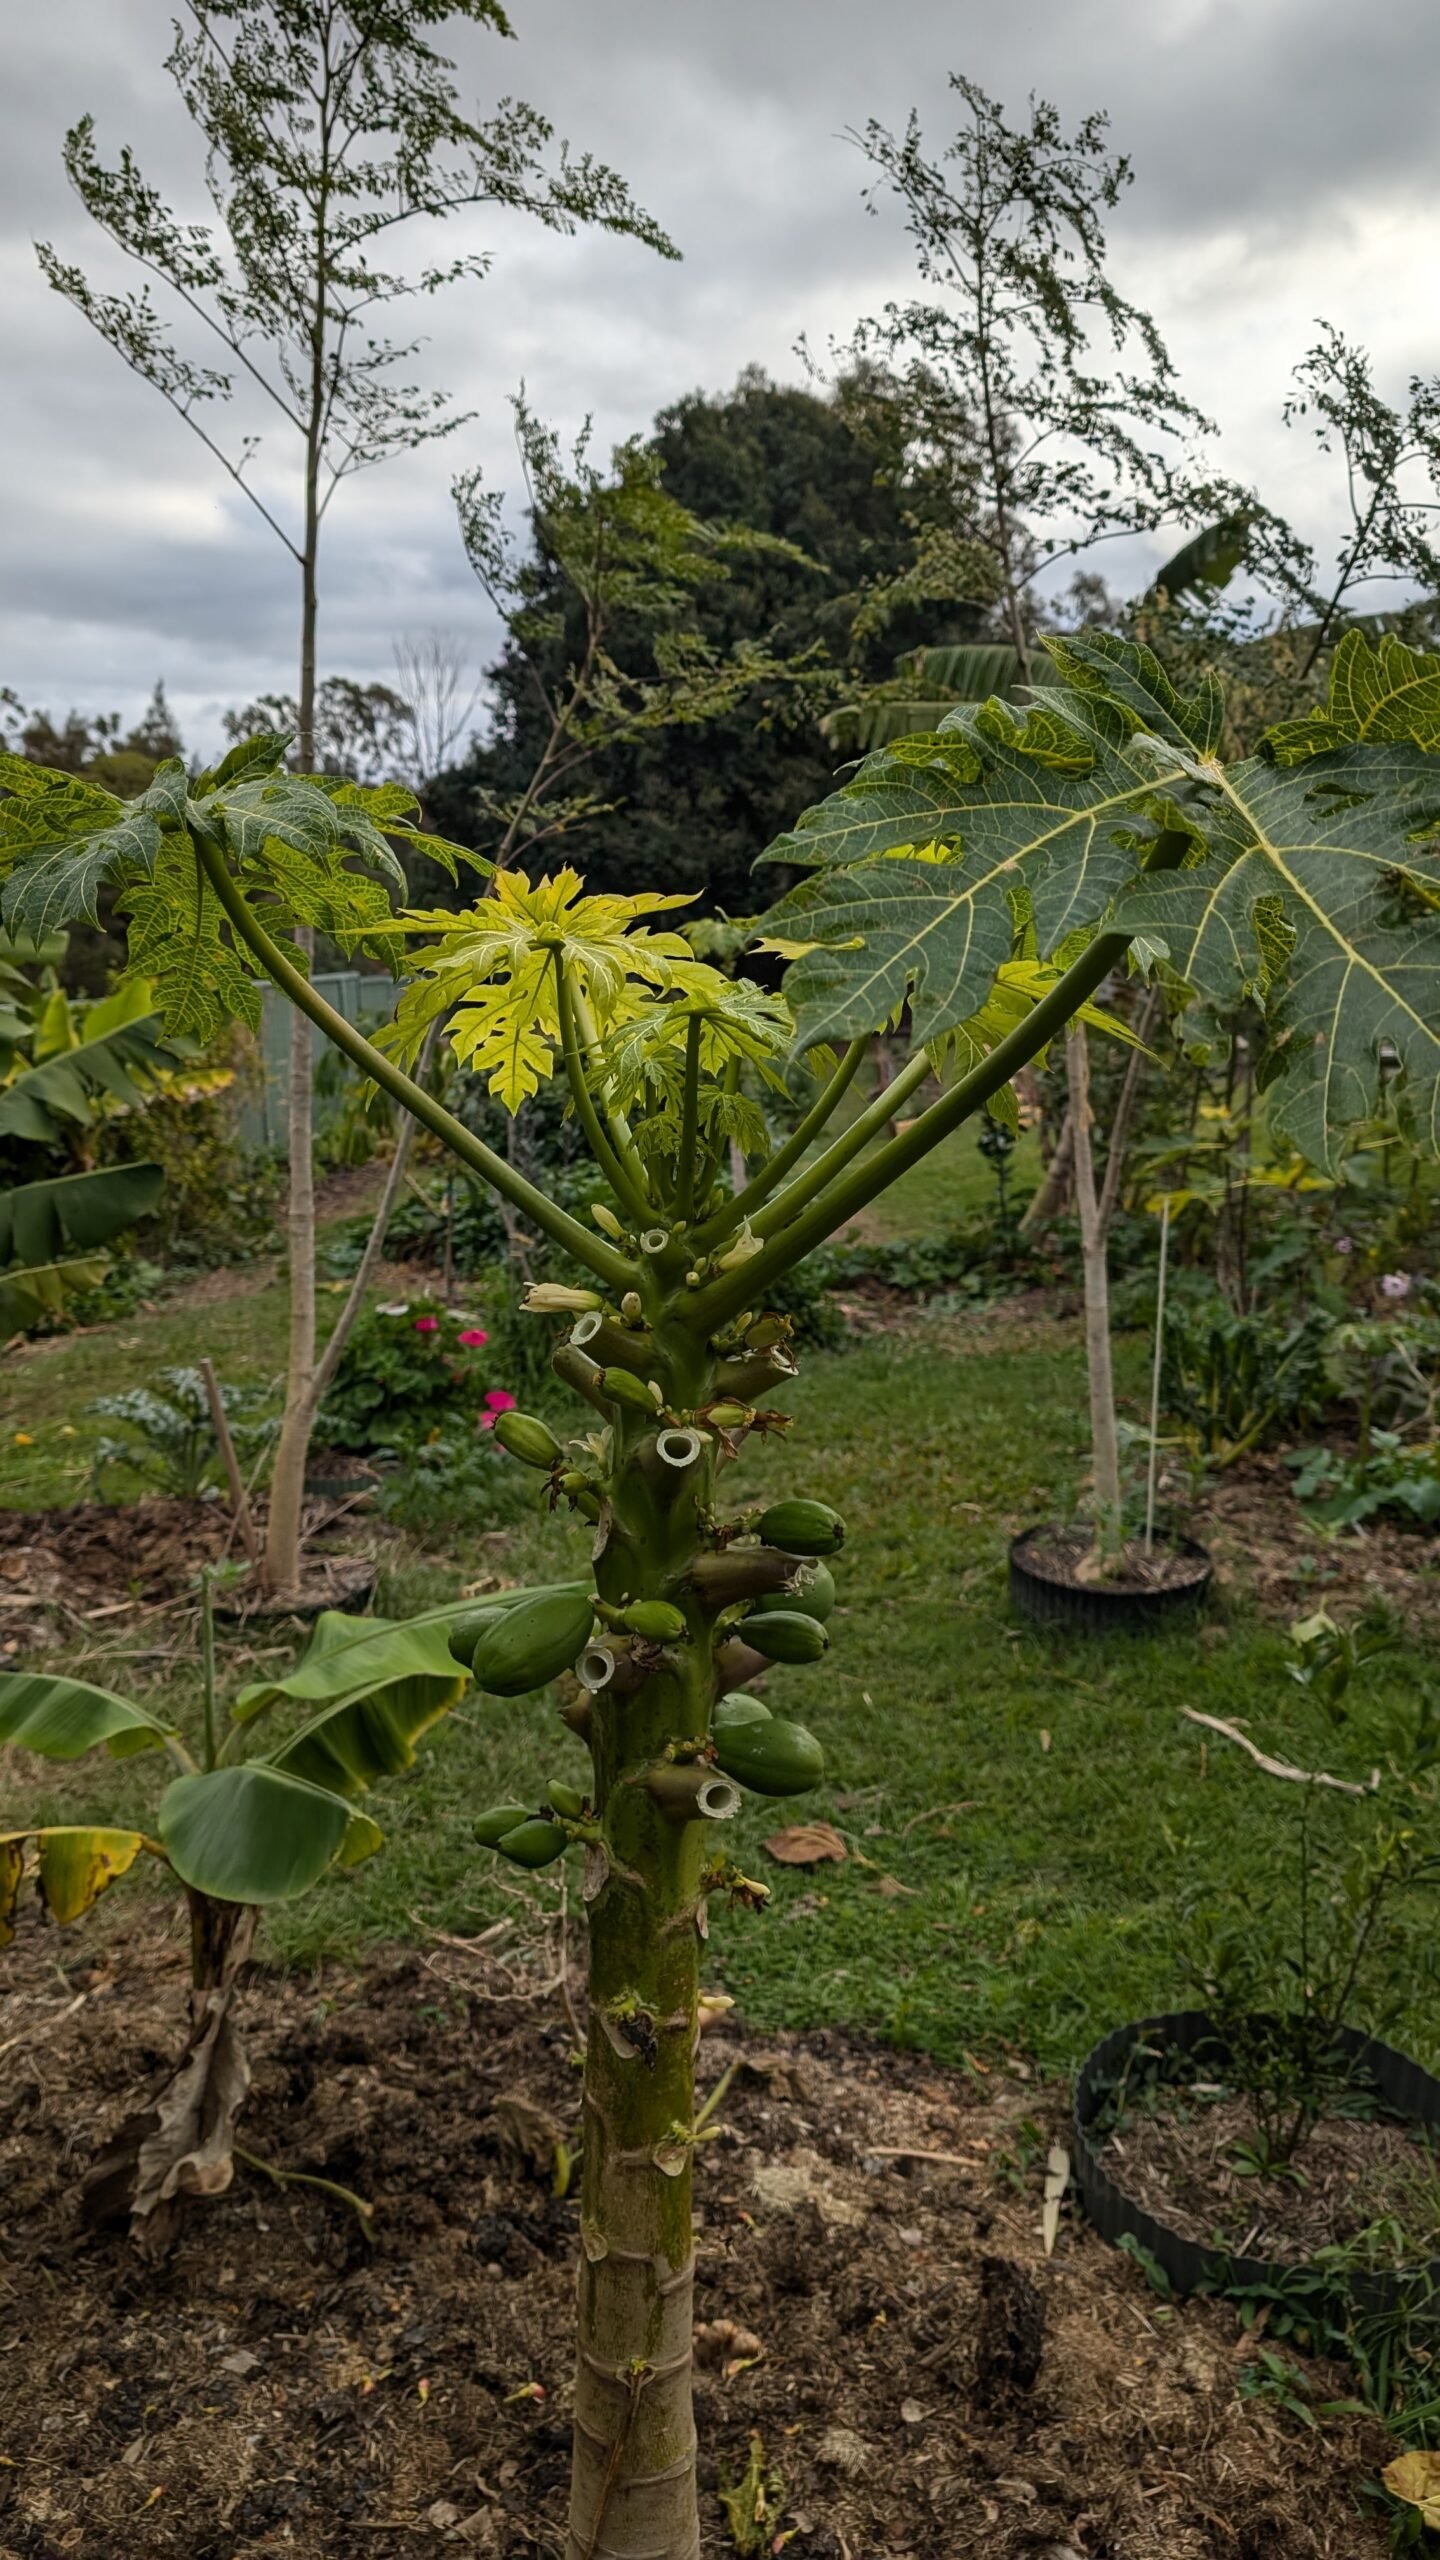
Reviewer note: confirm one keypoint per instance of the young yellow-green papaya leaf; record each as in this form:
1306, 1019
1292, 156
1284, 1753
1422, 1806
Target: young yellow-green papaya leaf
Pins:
74, 1864
252, 1834
62, 1719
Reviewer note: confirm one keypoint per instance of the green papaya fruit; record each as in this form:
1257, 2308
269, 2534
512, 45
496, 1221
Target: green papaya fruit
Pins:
803, 1528
775, 1758
736, 1710
527, 1438
533, 1644
564, 1799
786, 1635
535, 1843
658, 1621
621, 1386
487, 1612
490, 1828
813, 1591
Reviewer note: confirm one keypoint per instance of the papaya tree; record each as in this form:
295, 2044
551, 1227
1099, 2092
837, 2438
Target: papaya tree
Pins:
988, 878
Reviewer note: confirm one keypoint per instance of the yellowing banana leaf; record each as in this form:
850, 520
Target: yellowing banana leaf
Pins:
74, 1864
63, 1718
255, 1834
42, 1290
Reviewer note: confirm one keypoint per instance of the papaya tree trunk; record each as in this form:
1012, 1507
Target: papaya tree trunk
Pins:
648, 1874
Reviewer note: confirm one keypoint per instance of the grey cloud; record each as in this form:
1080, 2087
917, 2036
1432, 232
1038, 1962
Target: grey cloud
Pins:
1282, 126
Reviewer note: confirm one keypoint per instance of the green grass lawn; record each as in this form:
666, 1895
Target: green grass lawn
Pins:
1029, 1817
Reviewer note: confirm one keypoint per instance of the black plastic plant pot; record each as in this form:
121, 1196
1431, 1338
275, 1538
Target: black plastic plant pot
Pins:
1398, 2084
1042, 1590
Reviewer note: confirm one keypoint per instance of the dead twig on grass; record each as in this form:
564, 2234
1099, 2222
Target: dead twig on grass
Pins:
1284, 1768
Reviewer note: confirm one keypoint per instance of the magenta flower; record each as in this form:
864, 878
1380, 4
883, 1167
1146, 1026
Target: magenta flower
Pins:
497, 1402
472, 1338
427, 1324
1395, 1284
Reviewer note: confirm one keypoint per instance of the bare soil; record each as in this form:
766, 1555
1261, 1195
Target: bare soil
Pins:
1181, 2166
1265, 1547
927, 2383
103, 1564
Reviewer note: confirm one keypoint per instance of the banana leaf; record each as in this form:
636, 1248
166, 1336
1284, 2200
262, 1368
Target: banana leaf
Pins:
37, 1219
62, 1719
28, 1296
76, 1863
256, 1834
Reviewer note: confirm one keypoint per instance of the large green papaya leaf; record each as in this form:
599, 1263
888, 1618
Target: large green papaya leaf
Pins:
383, 1686
84, 1209
62, 1719
256, 1834
75, 1863
1334, 852
1042, 809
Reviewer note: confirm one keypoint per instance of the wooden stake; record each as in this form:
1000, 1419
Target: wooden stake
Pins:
239, 1499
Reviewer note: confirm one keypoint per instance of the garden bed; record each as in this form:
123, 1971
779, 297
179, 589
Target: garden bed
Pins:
1179, 2163
101, 1556
280, 2385
1264, 1545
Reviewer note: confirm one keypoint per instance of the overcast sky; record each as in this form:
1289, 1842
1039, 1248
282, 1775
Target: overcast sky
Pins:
1285, 168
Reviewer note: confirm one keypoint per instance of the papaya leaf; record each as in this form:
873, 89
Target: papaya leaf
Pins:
251, 1834
1042, 808
1131, 679
75, 1863
1386, 696
63, 1718
1318, 855
60, 883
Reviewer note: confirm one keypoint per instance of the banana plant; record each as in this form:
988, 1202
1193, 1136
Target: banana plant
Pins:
62, 1065
242, 1823
987, 878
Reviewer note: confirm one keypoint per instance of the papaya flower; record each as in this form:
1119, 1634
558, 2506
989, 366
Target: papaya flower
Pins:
496, 1403
553, 1298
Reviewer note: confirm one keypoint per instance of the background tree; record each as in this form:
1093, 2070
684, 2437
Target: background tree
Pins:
694, 804
328, 128
996, 372
1391, 462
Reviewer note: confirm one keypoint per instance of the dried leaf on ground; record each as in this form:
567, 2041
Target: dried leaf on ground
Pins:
807, 1844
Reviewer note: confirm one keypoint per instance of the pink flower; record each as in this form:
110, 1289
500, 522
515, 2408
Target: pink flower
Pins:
472, 1338
1344, 1244
497, 1402
427, 1324
1395, 1284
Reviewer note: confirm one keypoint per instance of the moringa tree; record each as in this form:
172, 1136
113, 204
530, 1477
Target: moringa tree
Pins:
329, 128
990, 876
1001, 391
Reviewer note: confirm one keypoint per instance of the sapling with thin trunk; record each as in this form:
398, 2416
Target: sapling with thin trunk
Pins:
990, 879
329, 129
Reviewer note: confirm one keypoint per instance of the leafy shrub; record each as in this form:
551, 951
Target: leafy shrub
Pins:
1236, 1382
462, 1482
408, 1372
1398, 1478
222, 1196
168, 1437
